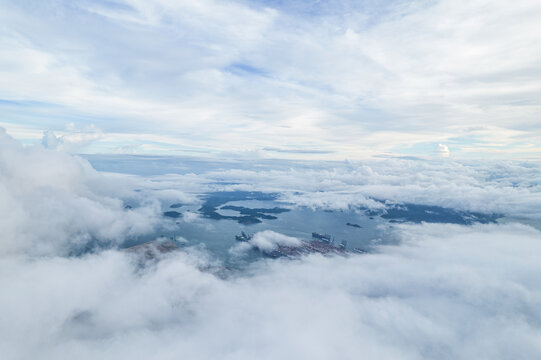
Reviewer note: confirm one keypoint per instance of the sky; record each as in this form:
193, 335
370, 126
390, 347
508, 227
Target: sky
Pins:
274, 79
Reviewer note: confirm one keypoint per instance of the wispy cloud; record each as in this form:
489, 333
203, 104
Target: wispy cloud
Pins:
248, 75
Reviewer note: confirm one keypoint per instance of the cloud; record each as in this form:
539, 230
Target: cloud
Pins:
350, 80
297, 151
72, 141
265, 241
54, 203
445, 292
268, 240
442, 151
508, 188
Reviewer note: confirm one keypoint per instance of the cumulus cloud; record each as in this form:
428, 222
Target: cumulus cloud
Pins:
445, 292
190, 216
72, 140
442, 151
265, 241
55, 203
268, 240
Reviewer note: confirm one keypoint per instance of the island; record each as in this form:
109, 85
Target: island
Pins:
416, 213
172, 214
247, 216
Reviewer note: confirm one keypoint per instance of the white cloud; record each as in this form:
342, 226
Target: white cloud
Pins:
442, 151
71, 141
447, 291
190, 217
265, 241
509, 188
55, 203
341, 81
268, 240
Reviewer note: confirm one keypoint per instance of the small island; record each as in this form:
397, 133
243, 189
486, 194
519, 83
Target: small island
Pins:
172, 214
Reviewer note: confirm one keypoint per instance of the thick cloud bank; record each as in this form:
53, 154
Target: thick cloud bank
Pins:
445, 292
52, 202
448, 292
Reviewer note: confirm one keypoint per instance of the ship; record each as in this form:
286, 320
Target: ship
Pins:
243, 237
322, 237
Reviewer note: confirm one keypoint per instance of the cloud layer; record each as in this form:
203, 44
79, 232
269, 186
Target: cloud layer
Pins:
344, 79
446, 292
53, 203
511, 188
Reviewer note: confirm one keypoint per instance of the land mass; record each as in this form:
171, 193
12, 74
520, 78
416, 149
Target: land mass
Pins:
432, 214
172, 214
247, 216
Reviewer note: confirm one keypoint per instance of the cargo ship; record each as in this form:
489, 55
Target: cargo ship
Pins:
323, 237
